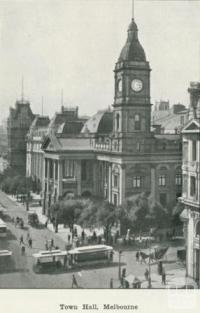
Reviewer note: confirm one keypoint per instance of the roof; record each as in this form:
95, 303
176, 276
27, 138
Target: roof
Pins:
77, 144
101, 122
193, 126
132, 51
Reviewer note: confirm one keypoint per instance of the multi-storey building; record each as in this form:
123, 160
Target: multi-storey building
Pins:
34, 153
191, 184
116, 154
18, 124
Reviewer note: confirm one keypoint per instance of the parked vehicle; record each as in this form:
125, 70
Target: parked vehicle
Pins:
33, 219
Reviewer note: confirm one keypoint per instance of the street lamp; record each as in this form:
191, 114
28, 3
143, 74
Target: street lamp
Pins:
149, 280
119, 264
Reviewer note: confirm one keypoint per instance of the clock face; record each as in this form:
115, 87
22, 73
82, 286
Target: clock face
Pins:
119, 85
136, 85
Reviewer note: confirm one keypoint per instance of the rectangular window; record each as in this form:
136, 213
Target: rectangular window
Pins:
50, 169
56, 170
192, 185
137, 122
68, 168
178, 179
194, 150
163, 199
162, 180
115, 181
185, 151
115, 199
137, 181
83, 170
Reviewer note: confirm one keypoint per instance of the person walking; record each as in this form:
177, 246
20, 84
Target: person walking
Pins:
111, 283
74, 281
30, 241
137, 256
146, 274
163, 276
52, 243
46, 245
21, 240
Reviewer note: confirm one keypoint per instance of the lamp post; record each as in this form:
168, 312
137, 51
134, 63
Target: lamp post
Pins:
149, 280
119, 264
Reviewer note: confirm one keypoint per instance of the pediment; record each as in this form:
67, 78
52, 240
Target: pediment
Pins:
192, 126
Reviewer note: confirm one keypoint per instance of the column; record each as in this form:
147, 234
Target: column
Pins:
153, 183
60, 177
110, 182
122, 184
78, 177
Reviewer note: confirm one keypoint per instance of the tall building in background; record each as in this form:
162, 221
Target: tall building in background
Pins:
191, 183
18, 124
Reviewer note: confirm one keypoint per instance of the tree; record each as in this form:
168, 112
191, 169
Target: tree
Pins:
66, 212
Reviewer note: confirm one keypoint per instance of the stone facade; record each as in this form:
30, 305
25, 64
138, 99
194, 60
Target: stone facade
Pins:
191, 185
116, 154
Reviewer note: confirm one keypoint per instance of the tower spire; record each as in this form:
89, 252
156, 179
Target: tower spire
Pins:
133, 9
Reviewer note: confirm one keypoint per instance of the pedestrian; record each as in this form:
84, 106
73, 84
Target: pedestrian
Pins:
163, 276
46, 245
146, 274
21, 240
30, 242
74, 281
137, 256
111, 283
28, 236
52, 243
83, 235
23, 249
75, 232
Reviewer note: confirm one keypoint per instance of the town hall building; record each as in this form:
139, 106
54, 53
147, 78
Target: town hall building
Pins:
115, 153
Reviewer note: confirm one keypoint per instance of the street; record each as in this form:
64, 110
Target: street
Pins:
21, 273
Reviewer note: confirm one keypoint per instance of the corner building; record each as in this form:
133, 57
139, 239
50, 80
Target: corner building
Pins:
116, 154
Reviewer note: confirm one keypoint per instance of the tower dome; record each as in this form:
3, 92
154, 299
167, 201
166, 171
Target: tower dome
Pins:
132, 51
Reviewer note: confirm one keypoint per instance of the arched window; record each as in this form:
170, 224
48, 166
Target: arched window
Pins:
137, 122
117, 121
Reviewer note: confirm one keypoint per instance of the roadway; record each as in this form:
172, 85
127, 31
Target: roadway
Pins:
21, 274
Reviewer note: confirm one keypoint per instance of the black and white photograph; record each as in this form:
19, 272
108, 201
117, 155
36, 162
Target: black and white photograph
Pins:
100, 145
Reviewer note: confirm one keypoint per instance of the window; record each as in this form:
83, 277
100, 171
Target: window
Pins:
83, 170
192, 186
137, 181
50, 169
115, 181
182, 120
194, 150
56, 170
117, 121
68, 168
178, 180
185, 151
163, 199
115, 199
162, 180
137, 122
198, 229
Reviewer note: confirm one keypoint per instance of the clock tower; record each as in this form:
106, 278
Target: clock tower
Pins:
132, 107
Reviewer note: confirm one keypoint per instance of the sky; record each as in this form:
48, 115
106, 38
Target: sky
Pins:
74, 44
